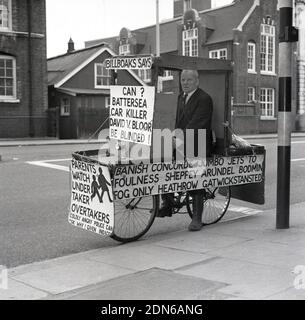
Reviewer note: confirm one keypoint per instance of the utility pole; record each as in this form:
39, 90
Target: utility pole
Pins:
288, 34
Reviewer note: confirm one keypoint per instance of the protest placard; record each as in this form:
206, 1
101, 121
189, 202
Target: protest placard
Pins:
91, 205
131, 113
147, 179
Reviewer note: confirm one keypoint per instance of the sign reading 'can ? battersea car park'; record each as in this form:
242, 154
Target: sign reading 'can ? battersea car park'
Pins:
131, 113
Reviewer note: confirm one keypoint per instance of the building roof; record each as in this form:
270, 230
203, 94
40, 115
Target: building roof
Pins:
226, 19
76, 91
221, 21
61, 68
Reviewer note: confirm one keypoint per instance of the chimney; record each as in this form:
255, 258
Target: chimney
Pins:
70, 46
180, 6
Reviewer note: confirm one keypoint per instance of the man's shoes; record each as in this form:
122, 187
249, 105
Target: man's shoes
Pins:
165, 211
195, 225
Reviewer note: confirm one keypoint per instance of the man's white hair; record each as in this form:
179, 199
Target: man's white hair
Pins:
194, 72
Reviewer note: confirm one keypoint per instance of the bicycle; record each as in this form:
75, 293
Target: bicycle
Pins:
134, 217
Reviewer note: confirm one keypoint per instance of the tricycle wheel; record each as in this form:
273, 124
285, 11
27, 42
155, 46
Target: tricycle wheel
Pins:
216, 203
133, 217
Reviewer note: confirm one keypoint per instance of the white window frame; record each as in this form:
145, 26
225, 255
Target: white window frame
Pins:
251, 55
145, 75
219, 54
106, 75
168, 75
190, 42
264, 103
11, 97
65, 107
267, 49
124, 49
8, 18
251, 97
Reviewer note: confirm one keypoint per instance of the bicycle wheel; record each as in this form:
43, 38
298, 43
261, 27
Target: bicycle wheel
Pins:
216, 203
133, 217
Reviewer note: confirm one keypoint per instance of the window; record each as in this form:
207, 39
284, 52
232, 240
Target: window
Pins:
190, 42
218, 54
267, 102
267, 49
124, 49
145, 74
65, 107
102, 76
7, 77
168, 75
251, 57
4, 14
87, 102
251, 95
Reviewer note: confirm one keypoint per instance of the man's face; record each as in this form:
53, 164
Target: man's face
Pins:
189, 81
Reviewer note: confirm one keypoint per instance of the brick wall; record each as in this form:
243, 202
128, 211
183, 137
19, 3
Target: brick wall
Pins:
241, 78
14, 116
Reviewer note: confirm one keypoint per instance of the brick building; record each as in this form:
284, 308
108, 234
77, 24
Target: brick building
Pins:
23, 72
79, 92
245, 32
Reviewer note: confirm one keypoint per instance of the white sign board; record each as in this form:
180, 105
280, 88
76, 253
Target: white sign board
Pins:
91, 205
156, 178
131, 113
123, 63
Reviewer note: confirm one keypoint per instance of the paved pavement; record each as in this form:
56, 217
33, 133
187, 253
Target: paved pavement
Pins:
243, 258
239, 259
44, 141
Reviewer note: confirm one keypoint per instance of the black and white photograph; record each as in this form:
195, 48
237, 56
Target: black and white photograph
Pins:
152, 152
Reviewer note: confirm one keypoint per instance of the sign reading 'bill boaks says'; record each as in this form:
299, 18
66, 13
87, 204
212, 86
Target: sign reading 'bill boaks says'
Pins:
144, 62
91, 205
148, 179
131, 113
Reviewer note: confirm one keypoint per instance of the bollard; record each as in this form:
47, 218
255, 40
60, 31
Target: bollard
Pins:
288, 34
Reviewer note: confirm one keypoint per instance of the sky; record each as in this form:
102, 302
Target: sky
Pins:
96, 19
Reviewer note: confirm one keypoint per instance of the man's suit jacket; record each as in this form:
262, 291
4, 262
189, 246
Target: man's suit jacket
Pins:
196, 114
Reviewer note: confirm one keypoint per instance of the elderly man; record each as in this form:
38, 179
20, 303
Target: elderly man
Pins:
194, 111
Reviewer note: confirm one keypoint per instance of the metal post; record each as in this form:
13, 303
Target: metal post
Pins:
287, 35
157, 30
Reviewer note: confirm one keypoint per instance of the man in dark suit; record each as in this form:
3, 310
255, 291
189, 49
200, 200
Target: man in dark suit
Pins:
194, 111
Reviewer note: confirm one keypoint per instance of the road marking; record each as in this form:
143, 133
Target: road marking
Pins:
298, 142
300, 159
46, 164
56, 160
244, 210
